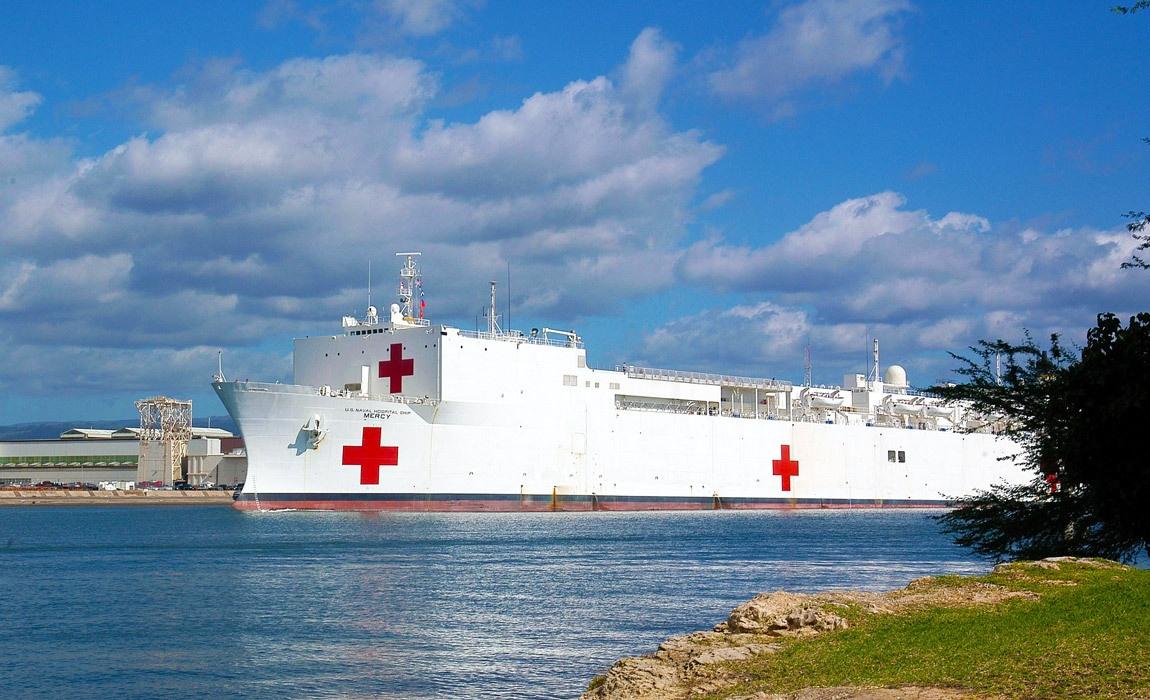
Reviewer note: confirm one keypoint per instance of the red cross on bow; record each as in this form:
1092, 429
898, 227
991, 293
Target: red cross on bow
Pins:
396, 368
785, 467
370, 455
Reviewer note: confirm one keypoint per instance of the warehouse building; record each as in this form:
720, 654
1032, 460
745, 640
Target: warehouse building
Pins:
91, 456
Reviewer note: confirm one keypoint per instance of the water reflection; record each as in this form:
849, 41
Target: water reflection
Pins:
408, 605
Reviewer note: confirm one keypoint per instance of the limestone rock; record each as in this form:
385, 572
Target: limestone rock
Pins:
782, 613
638, 678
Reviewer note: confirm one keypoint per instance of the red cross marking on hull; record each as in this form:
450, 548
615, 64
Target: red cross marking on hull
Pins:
785, 467
396, 368
370, 456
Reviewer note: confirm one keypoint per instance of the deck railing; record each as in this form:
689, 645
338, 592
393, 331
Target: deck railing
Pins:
674, 375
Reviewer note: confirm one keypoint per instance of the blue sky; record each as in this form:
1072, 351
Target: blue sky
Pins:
709, 186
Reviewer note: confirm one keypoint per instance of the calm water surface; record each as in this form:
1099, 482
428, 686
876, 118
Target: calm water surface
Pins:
182, 602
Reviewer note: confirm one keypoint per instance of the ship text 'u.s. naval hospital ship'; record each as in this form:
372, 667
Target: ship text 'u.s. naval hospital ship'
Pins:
398, 413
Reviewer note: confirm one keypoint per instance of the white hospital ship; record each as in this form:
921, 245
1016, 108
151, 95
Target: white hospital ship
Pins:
398, 413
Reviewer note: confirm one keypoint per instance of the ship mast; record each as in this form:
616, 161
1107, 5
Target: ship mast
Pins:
409, 280
492, 317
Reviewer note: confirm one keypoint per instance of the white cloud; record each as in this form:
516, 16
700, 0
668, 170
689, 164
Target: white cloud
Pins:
130, 372
648, 68
420, 17
249, 207
53, 290
923, 285
15, 106
812, 42
742, 339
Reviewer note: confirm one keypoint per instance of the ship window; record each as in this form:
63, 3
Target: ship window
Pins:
570, 380
596, 385
890, 455
587, 384
614, 385
901, 456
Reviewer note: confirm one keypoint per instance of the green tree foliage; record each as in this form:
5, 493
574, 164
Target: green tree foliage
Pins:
1127, 9
1137, 228
1078, 422
1138, 219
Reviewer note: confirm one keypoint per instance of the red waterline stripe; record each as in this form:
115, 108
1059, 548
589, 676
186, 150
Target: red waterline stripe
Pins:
514, 503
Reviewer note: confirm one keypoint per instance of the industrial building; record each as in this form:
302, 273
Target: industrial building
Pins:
91, 456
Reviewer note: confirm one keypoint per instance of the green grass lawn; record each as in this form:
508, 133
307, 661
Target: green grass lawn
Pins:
1089, 640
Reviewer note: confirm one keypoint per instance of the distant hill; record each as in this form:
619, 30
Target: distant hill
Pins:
48, 431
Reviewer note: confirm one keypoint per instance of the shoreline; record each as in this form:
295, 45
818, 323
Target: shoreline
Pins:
84, 497
902, 644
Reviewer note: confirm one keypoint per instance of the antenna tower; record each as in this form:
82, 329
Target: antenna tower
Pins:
492, 316
165, 429
410, 284
807, 367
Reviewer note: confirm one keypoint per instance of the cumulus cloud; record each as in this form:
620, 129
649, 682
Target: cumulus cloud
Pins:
387, 19
420, 17
813, 42
648, 68
249, 206
923, 285
744, 338
68, 371
15, 105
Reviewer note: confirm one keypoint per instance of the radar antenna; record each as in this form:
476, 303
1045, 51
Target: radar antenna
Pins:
410, 285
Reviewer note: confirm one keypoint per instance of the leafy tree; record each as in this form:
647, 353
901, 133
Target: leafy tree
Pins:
1137, 225
1078, 423
1139, 219
1127, 9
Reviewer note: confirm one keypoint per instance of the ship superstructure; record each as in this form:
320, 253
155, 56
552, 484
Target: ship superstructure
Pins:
397, 412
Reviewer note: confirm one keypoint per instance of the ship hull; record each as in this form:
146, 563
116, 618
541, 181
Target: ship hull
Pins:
387, 455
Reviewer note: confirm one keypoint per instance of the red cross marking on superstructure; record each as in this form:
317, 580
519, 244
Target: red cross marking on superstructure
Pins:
785, 467
370, 456
397, 368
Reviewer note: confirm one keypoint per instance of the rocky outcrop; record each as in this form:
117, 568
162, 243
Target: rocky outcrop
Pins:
697, 663
692, 664
783, 613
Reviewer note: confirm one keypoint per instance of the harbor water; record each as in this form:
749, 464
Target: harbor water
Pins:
183, 602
